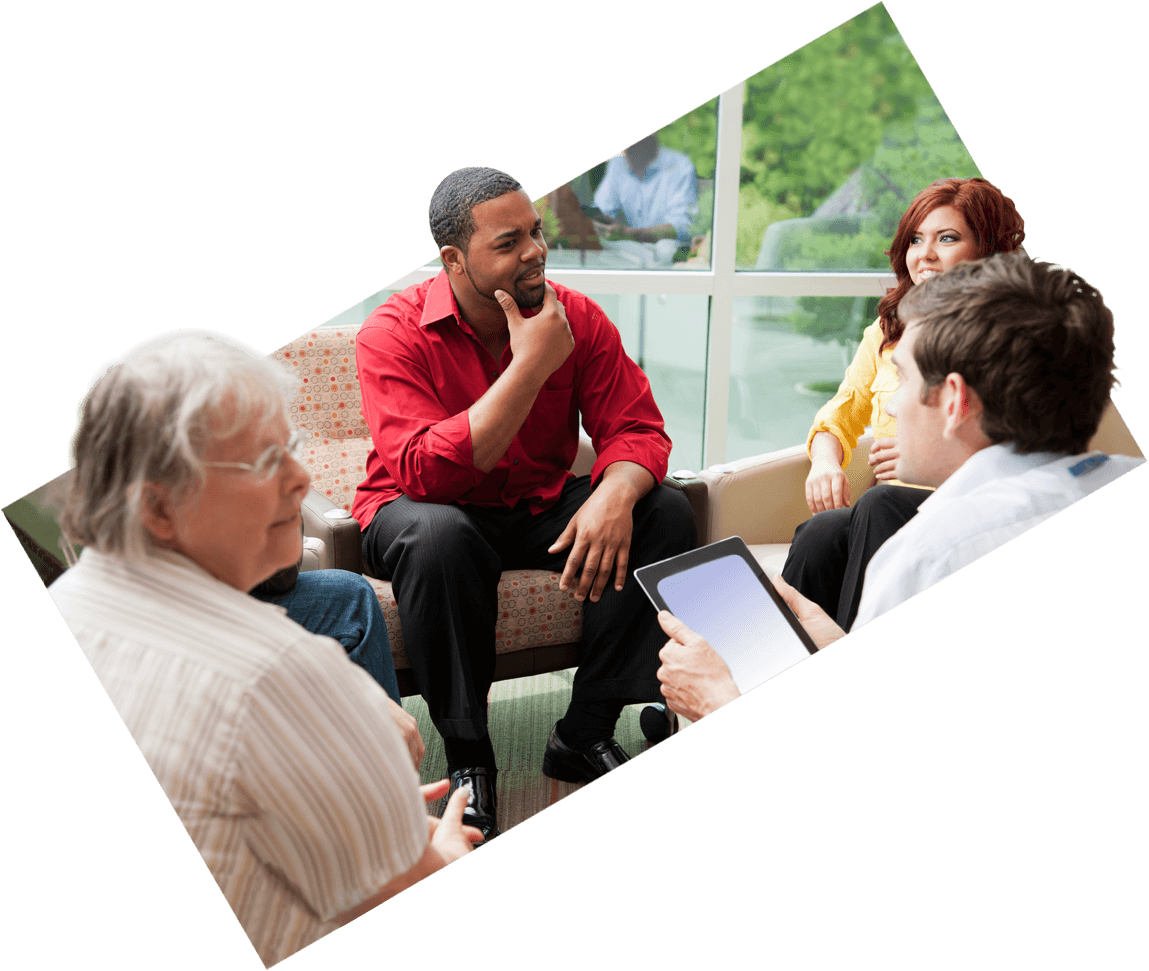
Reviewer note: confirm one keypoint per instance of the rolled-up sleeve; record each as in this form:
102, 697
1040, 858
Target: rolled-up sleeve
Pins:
424, 447
846, 415
617, 406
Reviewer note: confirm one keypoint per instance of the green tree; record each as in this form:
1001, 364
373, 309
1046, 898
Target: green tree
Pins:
909, 157
812, 118
695, 134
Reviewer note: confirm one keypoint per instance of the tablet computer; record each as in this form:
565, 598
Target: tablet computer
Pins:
721, 592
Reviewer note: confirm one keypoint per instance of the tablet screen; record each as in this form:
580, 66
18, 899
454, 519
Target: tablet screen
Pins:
725, 602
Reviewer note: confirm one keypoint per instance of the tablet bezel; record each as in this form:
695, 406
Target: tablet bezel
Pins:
649, 576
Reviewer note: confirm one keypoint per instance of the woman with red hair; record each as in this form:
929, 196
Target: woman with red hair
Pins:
950, 221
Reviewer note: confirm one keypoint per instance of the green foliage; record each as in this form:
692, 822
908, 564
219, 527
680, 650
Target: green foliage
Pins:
909, 157
852, 103
839, 319
695, 134
705, 218
810, 119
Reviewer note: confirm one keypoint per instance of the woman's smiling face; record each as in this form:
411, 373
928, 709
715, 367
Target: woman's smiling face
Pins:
939, 241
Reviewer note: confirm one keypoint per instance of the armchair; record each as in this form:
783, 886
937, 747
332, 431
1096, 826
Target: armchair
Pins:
540, 626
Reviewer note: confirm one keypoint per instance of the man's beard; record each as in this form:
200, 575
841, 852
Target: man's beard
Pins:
526, 299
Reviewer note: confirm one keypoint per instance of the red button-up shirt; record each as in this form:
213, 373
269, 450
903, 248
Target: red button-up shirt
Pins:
421, 367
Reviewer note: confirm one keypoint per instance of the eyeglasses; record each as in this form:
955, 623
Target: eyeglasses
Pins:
267, 465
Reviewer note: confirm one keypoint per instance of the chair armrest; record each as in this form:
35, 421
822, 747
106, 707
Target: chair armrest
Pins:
696, 491
339, 535
763, 498
314, 555
584, 458
693, 486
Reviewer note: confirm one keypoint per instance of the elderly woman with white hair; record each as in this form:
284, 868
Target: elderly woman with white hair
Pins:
279, 754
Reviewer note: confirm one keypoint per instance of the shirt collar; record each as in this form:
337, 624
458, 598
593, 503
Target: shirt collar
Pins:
440, 302
654, 166
159, 560
987, 465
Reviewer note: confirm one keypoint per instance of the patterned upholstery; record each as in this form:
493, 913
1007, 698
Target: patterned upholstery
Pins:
533, 611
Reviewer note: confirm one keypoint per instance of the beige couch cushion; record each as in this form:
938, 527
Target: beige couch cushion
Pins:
770, 556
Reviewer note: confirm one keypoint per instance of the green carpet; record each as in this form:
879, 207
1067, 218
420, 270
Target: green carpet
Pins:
521, 715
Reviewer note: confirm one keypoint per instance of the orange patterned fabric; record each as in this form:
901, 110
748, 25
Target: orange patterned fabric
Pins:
326, 406
532, 609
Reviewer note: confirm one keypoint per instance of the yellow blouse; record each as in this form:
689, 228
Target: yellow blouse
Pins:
861, 399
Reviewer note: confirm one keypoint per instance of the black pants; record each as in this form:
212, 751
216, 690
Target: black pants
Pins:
444, 562
831, 550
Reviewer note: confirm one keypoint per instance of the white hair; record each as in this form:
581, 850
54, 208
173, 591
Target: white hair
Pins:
150, 419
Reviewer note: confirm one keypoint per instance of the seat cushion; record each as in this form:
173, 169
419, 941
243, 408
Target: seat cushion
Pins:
770, 556
533, 612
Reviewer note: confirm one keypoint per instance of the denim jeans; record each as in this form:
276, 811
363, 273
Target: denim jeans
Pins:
343, 605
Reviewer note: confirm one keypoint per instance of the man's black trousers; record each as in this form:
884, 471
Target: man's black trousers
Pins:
444, 562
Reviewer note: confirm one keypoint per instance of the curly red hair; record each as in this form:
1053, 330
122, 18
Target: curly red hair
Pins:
995, 223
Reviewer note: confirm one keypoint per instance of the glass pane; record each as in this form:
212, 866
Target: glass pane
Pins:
666, 335
837, 139
649, 207
355, 315
787, 358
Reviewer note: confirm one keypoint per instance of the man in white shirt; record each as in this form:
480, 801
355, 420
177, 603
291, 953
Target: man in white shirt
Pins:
651, 192
1004, 369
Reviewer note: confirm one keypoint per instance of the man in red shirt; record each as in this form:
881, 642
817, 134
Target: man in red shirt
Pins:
473, 384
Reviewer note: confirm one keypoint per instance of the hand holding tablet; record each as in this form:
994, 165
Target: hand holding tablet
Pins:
721, 593
694, 679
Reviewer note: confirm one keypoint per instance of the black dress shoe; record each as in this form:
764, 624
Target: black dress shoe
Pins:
564, 763
481, 805
657, 722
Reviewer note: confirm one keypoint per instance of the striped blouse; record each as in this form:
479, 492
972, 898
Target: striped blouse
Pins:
277, 752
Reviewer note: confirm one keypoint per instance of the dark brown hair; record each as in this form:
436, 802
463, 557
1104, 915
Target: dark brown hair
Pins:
996, 226
1034, 340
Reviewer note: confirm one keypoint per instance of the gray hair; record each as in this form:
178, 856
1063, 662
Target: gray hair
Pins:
150, 419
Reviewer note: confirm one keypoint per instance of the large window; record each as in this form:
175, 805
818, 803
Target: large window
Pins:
740, 249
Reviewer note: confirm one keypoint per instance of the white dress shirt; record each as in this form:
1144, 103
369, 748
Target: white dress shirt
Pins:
666, 193
996, 495
277, 752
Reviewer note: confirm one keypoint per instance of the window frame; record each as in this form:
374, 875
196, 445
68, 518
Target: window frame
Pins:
722, 282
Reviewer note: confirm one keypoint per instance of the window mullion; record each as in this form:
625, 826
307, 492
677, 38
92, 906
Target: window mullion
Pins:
724, 237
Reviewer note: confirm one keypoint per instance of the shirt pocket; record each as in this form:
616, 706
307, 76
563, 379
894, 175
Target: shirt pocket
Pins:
885, 384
